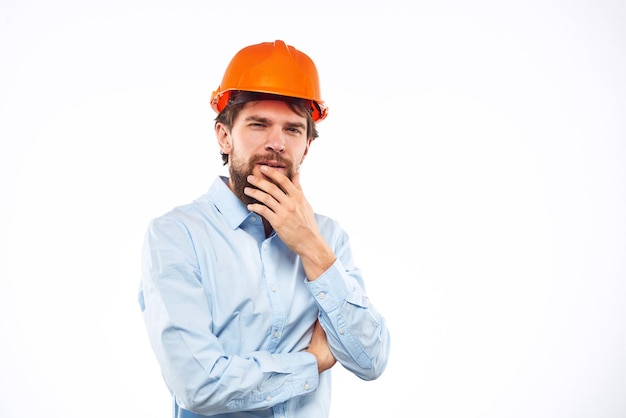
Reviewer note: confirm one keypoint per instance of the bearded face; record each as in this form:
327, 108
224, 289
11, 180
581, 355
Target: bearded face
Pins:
240, 169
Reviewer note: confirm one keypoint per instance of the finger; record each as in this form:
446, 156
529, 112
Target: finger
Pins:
266, 186
278, 178
261, 210
261, 196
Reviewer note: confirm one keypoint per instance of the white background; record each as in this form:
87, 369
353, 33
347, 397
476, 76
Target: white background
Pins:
475, 151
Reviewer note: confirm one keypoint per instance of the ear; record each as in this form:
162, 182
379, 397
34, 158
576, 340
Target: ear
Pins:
223, 138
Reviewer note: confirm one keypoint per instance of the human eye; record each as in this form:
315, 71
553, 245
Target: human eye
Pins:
295, 131
256, 123
256, 126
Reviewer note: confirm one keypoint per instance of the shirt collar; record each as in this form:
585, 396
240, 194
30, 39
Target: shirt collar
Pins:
227, 203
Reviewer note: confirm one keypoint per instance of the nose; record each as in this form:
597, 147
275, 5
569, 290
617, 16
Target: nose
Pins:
275, 140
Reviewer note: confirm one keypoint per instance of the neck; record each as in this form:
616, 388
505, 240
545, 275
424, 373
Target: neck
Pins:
268, 228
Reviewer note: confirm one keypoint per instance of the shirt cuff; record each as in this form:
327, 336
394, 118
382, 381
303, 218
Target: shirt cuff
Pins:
330, 289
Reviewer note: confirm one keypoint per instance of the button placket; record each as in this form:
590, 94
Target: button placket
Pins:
273, 294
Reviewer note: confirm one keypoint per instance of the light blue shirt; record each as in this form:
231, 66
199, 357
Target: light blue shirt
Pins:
230, 312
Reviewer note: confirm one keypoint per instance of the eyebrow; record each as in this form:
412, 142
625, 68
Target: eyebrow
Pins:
268, 121
257, 119
296, 125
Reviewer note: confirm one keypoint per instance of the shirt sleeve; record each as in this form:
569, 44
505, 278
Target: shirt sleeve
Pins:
200, 374
357, 333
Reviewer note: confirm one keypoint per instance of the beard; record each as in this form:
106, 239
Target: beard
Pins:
240, 170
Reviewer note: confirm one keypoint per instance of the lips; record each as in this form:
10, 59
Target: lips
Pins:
272, 163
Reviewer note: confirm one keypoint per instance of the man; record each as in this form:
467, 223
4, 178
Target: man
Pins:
249, 297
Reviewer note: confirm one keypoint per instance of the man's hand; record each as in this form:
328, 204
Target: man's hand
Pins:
320, 349
285, 207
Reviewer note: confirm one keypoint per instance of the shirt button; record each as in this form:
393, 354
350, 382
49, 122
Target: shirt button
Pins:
321, 295
276, 334
253, 219
273, 288
306, 386
269, 398
341, 331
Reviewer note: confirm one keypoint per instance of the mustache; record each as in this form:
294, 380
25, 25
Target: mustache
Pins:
272, 156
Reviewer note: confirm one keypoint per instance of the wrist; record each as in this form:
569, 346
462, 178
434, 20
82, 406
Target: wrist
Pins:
318, 262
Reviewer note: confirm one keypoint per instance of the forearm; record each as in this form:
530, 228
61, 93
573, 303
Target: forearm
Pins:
257, 381
208, 381
356, 331
318, 258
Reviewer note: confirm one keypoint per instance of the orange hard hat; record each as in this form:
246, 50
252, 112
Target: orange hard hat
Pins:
272, 68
